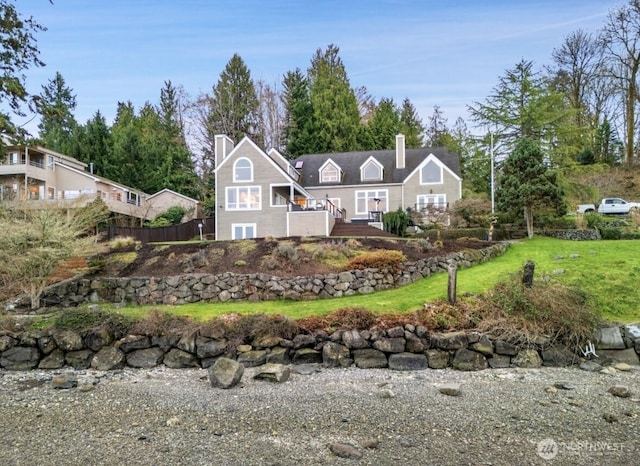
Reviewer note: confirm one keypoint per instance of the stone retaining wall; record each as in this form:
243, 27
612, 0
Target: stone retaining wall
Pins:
405, 347
575, 235
227, 286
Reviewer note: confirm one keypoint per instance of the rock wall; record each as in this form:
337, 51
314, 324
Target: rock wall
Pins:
405, 347
575, 235
227, 286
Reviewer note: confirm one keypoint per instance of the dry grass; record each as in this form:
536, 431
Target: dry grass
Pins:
158, 323
377, 259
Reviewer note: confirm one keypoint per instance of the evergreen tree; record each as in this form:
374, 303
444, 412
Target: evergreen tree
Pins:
234, 105
523, 105
411, 125
298, 127
384, 125
437, 131
92, 145
336, 117
526, 184
126, 158
56, 105
19, 53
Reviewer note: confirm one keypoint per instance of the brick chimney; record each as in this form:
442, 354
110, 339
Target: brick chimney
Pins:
400, 150
223, 146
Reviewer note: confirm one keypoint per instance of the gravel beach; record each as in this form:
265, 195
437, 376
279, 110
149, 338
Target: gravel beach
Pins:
322, 416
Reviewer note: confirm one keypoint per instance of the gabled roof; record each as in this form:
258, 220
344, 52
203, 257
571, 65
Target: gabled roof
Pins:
350, 163
171, 191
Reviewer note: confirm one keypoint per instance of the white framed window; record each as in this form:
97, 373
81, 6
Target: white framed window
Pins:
13, 158
242, 170
244, 198
371, 200
243, 230
50, 162
431, 173
51, 192
431, 201
371, 170
330, 172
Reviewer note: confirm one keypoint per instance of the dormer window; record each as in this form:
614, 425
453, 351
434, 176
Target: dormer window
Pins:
243, 170
330, 173
371, 170
431, 173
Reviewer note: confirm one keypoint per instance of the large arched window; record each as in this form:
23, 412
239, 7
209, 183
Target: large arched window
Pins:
243, 170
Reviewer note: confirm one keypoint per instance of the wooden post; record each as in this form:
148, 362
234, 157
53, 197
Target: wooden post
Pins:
527, 275
451, 284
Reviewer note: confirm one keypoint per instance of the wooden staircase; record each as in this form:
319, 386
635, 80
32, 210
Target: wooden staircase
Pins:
358, 229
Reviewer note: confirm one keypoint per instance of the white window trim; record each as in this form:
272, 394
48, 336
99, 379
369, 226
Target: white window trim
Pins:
424, 198
244, 227
334, 165
237, 189
377, 191
370, 161
235, 178
439, 165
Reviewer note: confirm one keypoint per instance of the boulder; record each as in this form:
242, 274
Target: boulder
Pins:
6, 342
353, 339
451, 389
610, 338
369, 358
336, 355
20, 358
390, 345
505, 348
467, 360
395, 332
68, 340
306, 356
54, 360
345, 450
178, 359
225, 373
408, 362
187, 343
483, 346
304, 341
80, 359
278, 355
273, 373
210, 348
527, 358
98, 339
437, 359
133, 342
253, 358
414, 344
46, 344
108, 358
499, 361
558, 356
145, 358
449, 341
628, 355
64, 381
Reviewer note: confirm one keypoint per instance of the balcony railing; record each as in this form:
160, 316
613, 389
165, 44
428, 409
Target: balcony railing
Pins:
318, 204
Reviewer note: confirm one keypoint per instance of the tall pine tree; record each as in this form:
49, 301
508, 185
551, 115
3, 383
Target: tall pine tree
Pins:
57, 125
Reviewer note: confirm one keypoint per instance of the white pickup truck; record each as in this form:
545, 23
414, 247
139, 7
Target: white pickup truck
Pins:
610, 205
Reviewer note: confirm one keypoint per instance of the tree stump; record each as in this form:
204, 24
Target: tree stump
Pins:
527, 275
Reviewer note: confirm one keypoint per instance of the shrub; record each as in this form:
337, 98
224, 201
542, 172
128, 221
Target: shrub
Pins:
82, 319
171, 216
123, 242
396, 222
240, 263
159, 323
473, 211
377, 259
545, 311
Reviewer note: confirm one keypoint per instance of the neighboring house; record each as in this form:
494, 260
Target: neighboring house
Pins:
42, 177
262, 194
163, 200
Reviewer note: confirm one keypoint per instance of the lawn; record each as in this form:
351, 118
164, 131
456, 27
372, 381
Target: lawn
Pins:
607, 271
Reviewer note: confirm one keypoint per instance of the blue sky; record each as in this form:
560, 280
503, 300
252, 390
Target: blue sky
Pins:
446, 53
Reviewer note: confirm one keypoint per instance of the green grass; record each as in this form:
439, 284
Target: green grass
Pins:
607, 271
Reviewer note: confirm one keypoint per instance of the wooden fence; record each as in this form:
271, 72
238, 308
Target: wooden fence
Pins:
183, 232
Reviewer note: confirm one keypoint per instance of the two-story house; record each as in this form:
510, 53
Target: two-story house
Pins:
262, 194
39, 177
